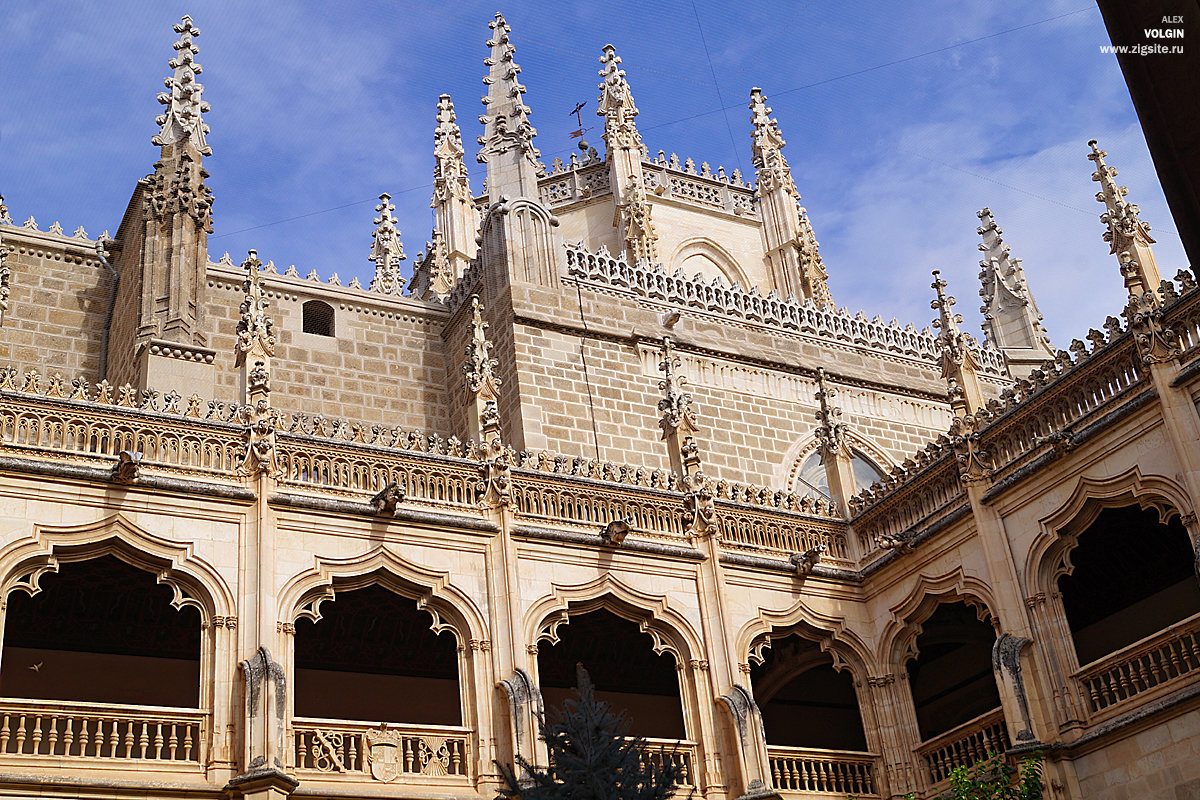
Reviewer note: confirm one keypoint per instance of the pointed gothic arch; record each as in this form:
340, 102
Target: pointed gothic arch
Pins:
714, 253
802, 449
670, 631
848, 650
898, 643
193, 581
451, 609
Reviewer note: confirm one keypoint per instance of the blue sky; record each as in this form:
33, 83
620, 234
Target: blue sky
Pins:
319, 107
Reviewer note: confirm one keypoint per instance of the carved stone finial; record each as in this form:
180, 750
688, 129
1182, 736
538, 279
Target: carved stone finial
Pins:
386, 249
616, 103
449, 170
5, 219
5, 276
641, 238
181, 121
255, 329
959, 367
482, 383
831, 431
676, 403
1011, 320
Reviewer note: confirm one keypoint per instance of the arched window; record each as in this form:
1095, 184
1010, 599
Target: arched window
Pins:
1132, 576
318, 318
805, 701
628, 674
101, 631
813, 481
373, 657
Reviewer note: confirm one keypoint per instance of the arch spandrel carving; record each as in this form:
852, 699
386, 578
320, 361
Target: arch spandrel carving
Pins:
192, 580
450, 608
670, 631
898, 642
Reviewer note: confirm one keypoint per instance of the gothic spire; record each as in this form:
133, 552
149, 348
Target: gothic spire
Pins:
1011, 320
507, 141
958, 362
182, 121
386, 249
1126, 233
631, 207
792, 249
456, 221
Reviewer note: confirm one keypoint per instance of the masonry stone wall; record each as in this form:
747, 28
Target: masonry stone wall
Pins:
58, 301
1161, 762
384, 364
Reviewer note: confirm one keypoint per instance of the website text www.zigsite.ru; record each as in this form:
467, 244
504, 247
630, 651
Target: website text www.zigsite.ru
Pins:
1171, 28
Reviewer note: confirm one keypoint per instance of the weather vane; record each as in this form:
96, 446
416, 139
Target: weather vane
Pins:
582, 130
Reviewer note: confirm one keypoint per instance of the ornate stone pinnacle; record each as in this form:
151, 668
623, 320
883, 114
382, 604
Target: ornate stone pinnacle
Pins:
1125, 227
449, 170
479, 369
506, 125
182, 121
386, 249
766, 136
616, 103
947, 320
255, 331
4, 278
5, 219
1010, 315
676, 404
831, 431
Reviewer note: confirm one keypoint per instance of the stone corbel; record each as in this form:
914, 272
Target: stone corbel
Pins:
1006, 661
521, 691
265, 729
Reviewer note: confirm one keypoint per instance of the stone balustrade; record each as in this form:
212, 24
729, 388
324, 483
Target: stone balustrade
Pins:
965, 745
80, 732
325, 748
749, 305
1165, 661
673, 752
804, 770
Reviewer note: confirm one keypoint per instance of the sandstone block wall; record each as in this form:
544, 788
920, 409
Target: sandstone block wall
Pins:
58, 301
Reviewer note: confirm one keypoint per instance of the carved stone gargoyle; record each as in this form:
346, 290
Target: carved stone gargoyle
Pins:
615, 532
387, 501
126, 468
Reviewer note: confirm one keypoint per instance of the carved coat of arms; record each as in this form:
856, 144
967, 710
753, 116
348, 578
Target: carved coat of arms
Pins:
384, 749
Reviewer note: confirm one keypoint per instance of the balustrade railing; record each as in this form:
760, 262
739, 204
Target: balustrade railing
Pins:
1161, 662
541, 497
336, 748
673, 752
780, 533
802, 769
83, 431
348, 469
82, 732
965, 745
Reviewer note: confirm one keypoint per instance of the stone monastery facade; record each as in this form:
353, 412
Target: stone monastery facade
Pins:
266, 534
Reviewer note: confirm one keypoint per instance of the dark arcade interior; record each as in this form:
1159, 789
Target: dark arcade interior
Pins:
805, 701
1132, 577
627, 674
373, 657
101, 631
951, 678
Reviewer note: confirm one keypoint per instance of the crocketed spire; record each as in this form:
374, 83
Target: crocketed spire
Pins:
182, 121
386, 249
1011, 320
507, 140
632, 214
1126, 233
792, 249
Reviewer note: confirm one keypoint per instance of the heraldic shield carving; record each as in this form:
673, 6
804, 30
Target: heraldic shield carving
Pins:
393, 753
